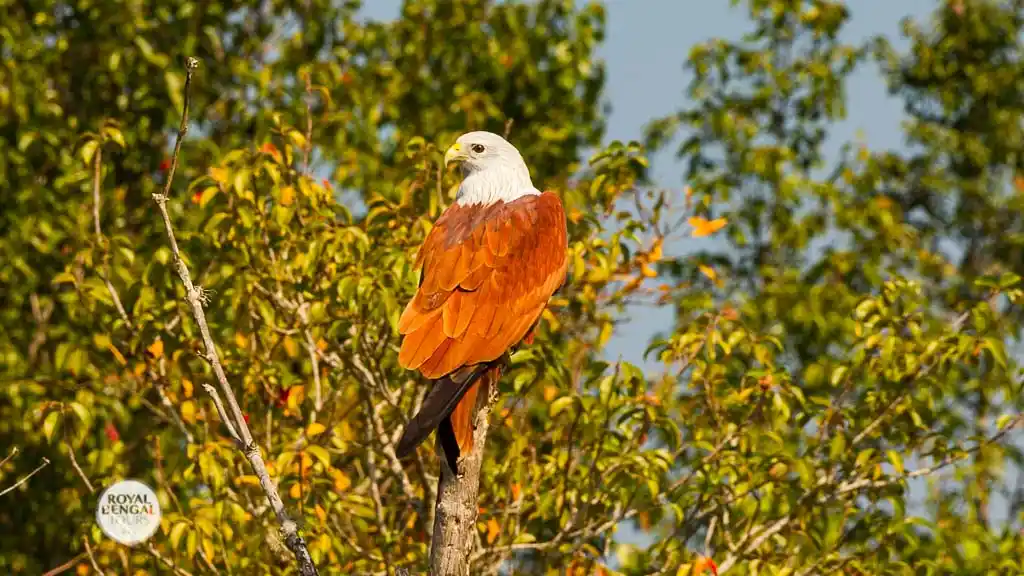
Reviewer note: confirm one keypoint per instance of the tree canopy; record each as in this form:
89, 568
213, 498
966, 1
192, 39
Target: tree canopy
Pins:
840, 393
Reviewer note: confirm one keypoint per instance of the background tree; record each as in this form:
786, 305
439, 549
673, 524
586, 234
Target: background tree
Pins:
851, 335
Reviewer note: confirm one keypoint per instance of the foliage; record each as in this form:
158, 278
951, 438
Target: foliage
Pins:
852, 333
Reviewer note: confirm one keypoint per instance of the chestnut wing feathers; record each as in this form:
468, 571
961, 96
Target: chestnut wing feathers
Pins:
488, 272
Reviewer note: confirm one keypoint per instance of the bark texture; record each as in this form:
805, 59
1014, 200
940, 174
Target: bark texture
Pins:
456, 509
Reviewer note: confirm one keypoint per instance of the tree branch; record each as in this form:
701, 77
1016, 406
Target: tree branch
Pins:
456, 510
97, 163
45, 463
196, 298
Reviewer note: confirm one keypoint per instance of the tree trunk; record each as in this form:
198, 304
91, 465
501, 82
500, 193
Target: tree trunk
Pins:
456, 509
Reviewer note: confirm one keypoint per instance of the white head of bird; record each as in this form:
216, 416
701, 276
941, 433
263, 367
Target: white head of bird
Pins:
492, 169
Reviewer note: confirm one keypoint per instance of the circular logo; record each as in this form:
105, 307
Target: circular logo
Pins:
128, 512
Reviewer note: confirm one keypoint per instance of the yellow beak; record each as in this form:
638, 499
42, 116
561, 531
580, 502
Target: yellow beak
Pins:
454, 154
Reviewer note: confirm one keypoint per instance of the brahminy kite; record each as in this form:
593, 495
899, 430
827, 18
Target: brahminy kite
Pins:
490, 264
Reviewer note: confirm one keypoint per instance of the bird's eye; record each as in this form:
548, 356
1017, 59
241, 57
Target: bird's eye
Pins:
478, 148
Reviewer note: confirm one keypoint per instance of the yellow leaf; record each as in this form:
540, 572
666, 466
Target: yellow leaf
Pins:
219, 175
156, 348
321, 345
493, 529
411, 521
249, 479
241, 340
295, 491
341, 481
186, 386
290, 347
314, 429
708, 271
117, 354
704, 227
646, 271
549, 393
655, 254
295, 397
321, 515
188, 411
208, 548
287, 196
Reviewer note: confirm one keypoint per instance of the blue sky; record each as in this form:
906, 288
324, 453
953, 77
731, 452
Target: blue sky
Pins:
646, 44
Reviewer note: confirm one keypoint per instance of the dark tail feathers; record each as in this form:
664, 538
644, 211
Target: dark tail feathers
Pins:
439, 404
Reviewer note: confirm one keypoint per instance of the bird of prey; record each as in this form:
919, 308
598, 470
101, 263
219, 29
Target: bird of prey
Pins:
490, 264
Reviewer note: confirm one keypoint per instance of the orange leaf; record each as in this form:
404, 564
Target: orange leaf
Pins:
549, 393
703, 563
493, 529
156, 348
515, 491
704, 227
269, 148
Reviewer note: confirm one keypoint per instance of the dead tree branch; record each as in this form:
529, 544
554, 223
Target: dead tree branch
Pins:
196, 298
456, 510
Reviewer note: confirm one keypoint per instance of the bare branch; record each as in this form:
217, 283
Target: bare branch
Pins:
196, 298
65, 566
223, 414
166, 561
45, 463
456, 511
14, 452
92, 559
97, 163
78, 469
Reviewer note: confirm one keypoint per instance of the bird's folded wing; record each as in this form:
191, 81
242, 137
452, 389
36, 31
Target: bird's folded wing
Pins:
488, 272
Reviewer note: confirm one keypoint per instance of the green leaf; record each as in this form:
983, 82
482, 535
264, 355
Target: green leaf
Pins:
559, 405
50, 424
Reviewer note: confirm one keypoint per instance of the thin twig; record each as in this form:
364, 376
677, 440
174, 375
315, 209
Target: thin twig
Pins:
197, 298
97, 164
45, 463
14, 452
65, 566
223, 414
74, 463
92, 559
166, 561
308, 148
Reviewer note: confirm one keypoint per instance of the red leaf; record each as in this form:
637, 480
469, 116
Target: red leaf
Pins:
111, 431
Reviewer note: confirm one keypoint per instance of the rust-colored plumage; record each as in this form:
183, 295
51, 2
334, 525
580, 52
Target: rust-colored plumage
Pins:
488, 273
